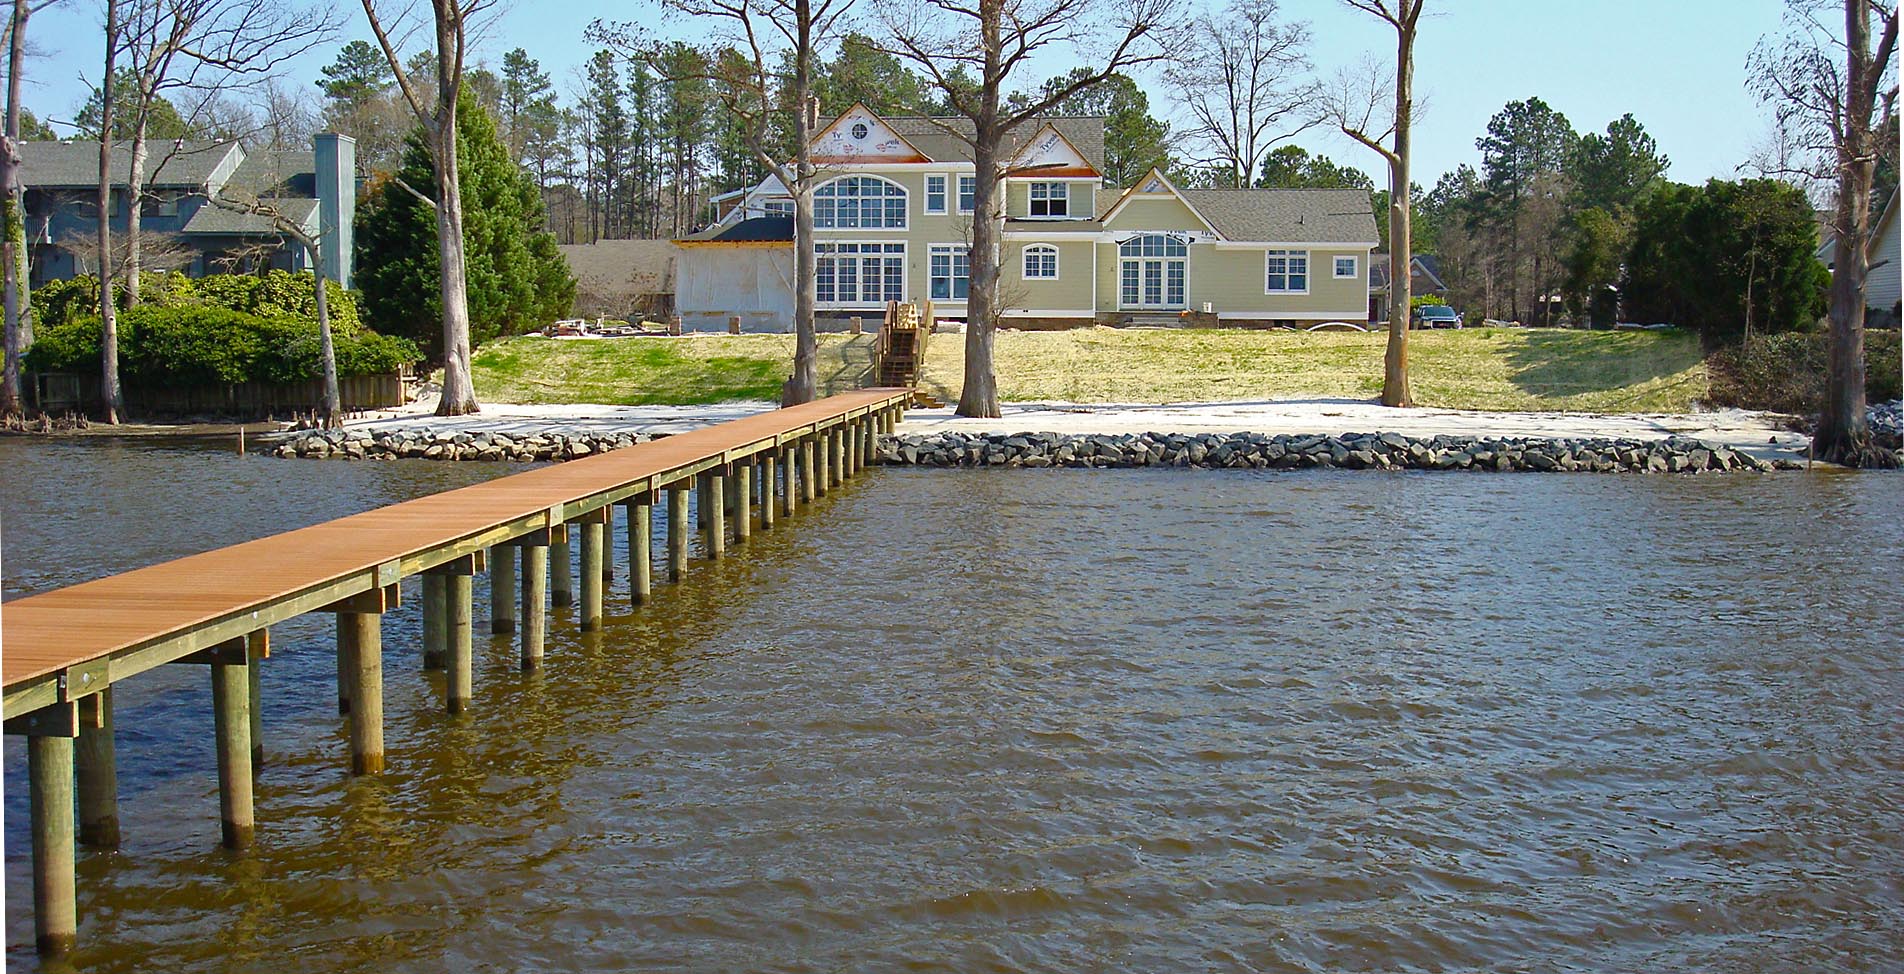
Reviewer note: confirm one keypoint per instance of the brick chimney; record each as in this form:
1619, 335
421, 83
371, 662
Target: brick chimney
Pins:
336, 157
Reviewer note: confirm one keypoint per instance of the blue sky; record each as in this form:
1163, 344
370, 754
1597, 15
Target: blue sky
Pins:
1677, 65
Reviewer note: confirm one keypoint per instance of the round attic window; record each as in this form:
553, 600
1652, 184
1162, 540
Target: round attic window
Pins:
859, 130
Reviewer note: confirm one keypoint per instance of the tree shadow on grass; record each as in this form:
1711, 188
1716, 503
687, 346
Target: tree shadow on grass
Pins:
1553, 364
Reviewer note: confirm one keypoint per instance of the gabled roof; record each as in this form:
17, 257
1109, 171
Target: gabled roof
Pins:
212, 219
1324, 216
754, 229
287, 173
1423, 265
75, 165
1140, 188
933, 140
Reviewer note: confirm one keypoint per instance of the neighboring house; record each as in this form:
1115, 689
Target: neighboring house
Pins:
622, 278
893, 223
181, 228
1424, 277
1882, 284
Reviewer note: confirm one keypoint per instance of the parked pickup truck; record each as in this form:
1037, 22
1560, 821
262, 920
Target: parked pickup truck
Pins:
1437, 316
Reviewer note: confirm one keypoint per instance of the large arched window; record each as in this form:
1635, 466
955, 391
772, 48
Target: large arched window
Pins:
860, 203
1152, 245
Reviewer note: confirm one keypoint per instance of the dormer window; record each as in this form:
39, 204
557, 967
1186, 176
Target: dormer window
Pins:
1049, 199
860, 130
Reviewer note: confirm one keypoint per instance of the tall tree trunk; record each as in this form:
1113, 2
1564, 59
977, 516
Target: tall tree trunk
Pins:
979, 396
1395, 386
326, 348
459, 392
135, 203
1843, 434
111, 396
19, 329
802, 387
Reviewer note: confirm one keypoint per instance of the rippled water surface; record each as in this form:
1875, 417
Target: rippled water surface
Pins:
1050, 720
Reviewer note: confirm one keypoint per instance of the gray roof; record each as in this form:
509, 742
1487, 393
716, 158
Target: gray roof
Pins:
75, 165
268, 173
930, 136
216, 220
1339, 216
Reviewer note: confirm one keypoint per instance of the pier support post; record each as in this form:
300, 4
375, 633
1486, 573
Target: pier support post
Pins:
608, 547
703, 499
502, 589
593, 535
869, 442
678, 531
231, 722
363, 633
436, 621
257, 649
807, 463
744, 501
715, 486
55, 903
96, 766
641, 550
535, 611
561, 569
457, 580
768, 500
834, 459
344, 665
822, 460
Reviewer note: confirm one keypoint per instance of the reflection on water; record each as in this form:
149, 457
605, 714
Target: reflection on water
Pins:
1053, 720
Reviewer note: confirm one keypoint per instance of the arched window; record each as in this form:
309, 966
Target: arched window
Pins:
1152, 245
860, 203
1041, 262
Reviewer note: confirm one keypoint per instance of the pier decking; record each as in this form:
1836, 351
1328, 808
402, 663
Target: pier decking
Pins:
63, 650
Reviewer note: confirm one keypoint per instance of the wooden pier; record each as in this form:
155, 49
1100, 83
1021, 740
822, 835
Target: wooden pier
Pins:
64, 650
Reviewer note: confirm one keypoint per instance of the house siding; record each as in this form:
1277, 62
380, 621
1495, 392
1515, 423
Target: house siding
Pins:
1082, 197
1071, 292
1881, 288
1232, 280
1153, 212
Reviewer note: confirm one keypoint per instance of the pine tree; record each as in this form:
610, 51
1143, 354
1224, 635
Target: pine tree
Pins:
518, 281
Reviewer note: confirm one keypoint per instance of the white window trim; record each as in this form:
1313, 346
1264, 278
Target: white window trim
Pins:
1031, 200
1025, 254
954, 246
958, 198
905, 211
1355, 267
925, 193
905, 279
1307, 273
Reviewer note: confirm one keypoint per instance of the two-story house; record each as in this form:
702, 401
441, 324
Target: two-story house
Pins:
893, 216
181, 228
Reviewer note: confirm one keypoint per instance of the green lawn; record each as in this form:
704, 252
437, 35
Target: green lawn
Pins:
1503, 369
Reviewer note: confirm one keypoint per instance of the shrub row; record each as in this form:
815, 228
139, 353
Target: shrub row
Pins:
1786, 372
200, 345
278, 294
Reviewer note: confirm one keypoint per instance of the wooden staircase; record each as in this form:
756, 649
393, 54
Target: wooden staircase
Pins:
900, 350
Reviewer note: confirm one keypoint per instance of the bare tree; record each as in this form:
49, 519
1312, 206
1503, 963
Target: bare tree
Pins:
1355, 106
1836, 98
451, 20
767, 32
972, 51
111, 394
13, 251
1241, 76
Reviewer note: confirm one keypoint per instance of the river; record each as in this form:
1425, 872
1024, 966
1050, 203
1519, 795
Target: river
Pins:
995, 720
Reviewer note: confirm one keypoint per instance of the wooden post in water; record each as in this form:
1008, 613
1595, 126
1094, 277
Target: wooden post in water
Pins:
502, 589
535, 611
869, 442
231, 725
767, 485
743, 501
715, 487
822, 459
561, 569
593, 537
365, 635
808, 489
678, 531
257, 649
703, 499
641, 549
436, 621
49, 759
608, 547
96, 767
344, 665
459, 682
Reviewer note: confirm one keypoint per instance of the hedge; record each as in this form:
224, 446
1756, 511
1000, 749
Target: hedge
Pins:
278, 294
199, 345
1785, 372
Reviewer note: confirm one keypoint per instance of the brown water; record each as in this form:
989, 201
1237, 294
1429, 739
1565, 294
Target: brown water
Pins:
1053, 720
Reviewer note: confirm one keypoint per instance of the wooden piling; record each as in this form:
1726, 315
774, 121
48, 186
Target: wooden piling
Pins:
823, 461
460, 685
365, 631
768, 478
344, 667
55, 903
502, 589
561, 569
678, 532
641, 550
716, 524
257, 649
436, 622
743, 502
593, 531
96, 768
231, 725
535, 612
808, 489
703, 499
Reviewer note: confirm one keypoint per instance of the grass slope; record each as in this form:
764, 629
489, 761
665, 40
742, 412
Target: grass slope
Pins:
1501, 369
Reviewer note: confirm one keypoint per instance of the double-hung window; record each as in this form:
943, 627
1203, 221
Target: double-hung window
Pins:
1286, 272
1346, 267
935, 194
859, 274
1041, 262
968, 194
950, 271
1050, 199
